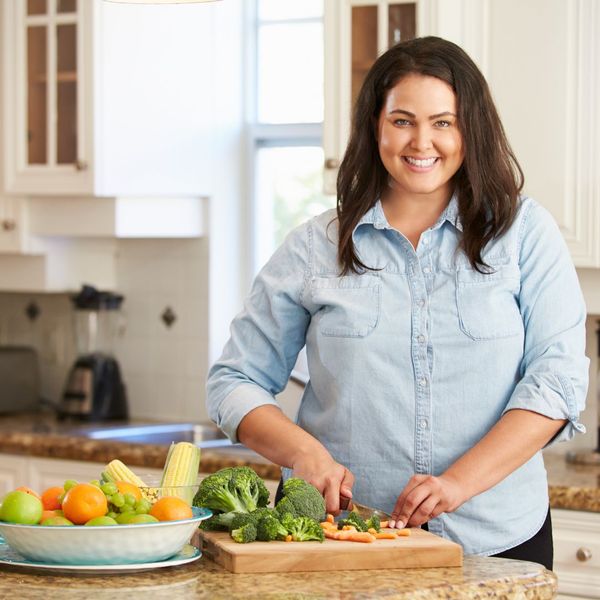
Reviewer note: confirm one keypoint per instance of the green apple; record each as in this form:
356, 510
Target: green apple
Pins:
55, 522
97, 521
21, 507
139, 519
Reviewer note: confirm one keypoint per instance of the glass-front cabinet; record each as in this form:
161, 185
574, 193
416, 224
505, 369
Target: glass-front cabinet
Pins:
357, 32
45, 111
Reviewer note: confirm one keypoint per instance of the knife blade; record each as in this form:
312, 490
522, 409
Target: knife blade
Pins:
365, 512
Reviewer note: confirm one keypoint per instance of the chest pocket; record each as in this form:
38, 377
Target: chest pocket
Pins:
487, 303
348, 306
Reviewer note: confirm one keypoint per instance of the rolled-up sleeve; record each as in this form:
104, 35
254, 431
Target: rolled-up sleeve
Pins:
265, 337
554, 370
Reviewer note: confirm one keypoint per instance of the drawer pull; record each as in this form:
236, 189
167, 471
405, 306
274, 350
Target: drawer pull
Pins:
583, 554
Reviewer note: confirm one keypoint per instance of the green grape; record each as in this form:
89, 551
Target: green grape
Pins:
109, 489
117, 499
126, 508
130, 499
111, 514
95, 482
69, 483
142, 506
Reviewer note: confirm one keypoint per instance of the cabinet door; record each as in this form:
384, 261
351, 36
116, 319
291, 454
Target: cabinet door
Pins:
356, 33
44, 97
13, 473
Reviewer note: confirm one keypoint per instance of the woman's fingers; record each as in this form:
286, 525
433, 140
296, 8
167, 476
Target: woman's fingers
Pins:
398, 518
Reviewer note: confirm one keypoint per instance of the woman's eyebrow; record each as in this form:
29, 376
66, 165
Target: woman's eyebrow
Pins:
446, 113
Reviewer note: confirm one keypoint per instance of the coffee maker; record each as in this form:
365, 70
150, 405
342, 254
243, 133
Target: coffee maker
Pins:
94, 390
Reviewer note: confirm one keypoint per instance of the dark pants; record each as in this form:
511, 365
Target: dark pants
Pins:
538, 549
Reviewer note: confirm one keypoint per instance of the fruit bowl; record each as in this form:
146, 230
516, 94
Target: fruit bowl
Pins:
102, 545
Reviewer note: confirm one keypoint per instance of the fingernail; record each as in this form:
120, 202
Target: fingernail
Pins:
399, 524
392, 524
347, 493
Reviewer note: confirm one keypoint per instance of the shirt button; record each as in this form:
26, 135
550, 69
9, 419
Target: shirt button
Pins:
421, 303
426, 270
421, 339
423, 423
423, 382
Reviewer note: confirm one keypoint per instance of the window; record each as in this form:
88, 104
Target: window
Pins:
286, 121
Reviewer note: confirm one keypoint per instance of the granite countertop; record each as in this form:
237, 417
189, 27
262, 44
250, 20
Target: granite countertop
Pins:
575, 487
478, 578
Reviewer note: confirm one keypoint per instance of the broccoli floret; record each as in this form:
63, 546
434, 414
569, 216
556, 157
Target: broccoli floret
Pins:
263, 511
301, 499
233, 489
354, 520
304, 529
269, 528
245, 534
374, 522
212, 524
239, 519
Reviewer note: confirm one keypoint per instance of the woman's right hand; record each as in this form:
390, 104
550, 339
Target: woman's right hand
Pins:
331, 478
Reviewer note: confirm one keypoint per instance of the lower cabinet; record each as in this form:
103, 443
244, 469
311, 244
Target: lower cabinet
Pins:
576, 553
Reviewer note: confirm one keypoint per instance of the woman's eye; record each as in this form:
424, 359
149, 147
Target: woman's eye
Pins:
443, 123
401, 122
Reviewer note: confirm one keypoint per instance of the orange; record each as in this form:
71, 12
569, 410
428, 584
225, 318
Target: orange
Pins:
171, 508
128, 488
83, 502
50, 497
27, 490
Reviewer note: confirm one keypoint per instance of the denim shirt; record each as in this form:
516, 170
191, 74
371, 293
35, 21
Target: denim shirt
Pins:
412, 364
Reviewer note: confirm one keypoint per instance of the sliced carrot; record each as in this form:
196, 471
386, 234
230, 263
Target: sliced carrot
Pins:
385, 536
348, 528
329, 518
384, 524
288, 538
372, 530
403, 532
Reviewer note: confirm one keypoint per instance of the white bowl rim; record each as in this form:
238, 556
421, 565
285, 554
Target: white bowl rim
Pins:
200, 514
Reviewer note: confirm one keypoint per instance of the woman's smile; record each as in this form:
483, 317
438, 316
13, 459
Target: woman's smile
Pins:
420, 165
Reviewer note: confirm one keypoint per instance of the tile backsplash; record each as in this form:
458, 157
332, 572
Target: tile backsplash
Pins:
164, 367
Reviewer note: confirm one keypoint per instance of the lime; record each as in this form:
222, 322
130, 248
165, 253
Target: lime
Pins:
21, 507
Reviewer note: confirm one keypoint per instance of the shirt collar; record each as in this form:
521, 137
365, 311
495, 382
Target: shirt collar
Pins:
376, 217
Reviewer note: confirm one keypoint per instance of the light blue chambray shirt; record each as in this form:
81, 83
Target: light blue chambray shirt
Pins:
411, 365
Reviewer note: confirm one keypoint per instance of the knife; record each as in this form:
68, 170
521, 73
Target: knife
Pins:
365, 512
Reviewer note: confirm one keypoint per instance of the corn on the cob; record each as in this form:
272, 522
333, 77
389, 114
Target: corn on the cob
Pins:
180, 474
115, 470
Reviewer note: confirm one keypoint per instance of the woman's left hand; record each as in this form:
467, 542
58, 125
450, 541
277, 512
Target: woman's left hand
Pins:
424, 498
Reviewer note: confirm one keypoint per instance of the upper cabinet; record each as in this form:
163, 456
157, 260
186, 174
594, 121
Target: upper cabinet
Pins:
107, 99
541, 59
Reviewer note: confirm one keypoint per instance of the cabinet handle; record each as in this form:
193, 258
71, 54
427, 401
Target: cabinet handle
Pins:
583, 554
332, 163
81, 165
9, 225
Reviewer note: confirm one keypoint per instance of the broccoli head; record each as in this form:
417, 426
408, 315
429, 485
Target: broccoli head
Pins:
233, 489
245, 534
269, 528
301, 499
304, 529
355, 520
238, 519
374, 522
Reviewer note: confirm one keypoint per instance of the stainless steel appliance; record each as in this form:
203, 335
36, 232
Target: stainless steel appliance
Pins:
94, 390
19, 379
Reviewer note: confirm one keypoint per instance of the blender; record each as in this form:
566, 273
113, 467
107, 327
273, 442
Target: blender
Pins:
94, 390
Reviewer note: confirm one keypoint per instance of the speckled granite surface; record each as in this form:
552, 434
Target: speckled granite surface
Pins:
478, 578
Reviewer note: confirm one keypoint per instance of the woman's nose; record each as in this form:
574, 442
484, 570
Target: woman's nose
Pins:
421, 139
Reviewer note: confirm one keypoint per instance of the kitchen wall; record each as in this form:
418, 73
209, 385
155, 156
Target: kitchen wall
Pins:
164, 367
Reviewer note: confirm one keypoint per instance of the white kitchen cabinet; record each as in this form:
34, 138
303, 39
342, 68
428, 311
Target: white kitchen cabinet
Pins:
12, 472
105, 99
541, 60
577, 553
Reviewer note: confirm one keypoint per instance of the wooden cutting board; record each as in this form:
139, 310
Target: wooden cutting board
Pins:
420, 549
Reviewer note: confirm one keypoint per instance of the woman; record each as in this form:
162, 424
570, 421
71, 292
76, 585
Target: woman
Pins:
442, 317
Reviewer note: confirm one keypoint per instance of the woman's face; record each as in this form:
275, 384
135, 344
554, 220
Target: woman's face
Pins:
419, 141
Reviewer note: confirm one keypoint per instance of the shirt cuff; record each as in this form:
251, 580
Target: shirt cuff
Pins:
552, 396
237, 404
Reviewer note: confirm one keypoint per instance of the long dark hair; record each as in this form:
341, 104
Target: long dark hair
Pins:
489, 180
